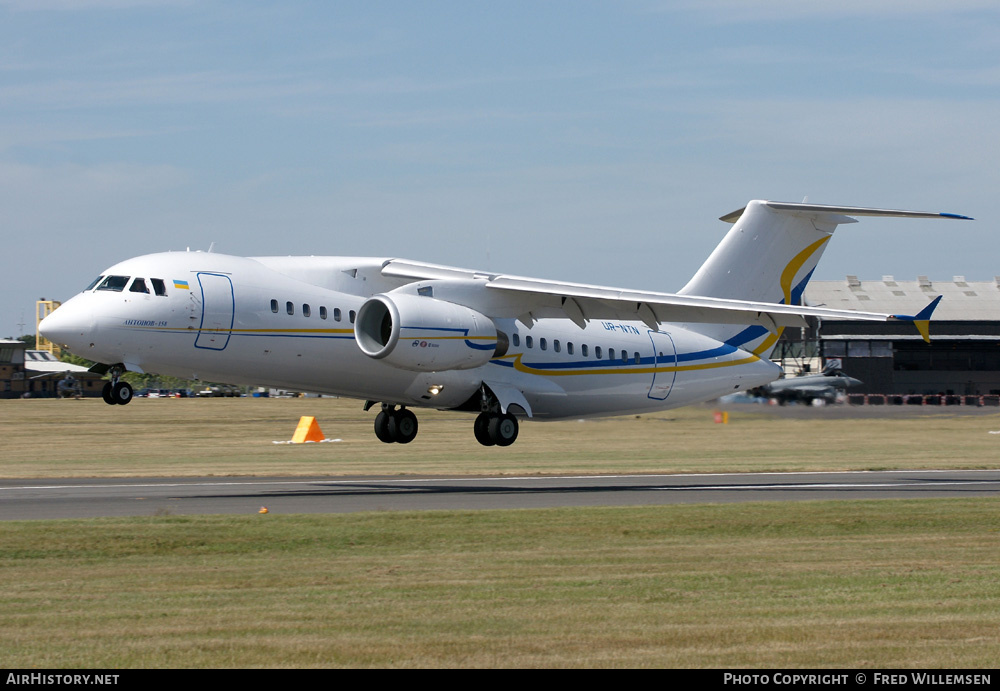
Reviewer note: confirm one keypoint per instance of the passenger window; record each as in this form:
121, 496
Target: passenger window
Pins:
555, 346
584, 349
290, 308
611, 353
274, 306
138, 286
638, 360
624, 357
597, 352
306, 310
527, 341
159, 287
114, 283
336, 314
352, 314
543, 344
322, 312
569, 347
517, 340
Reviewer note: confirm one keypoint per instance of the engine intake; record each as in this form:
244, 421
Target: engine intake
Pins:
425, 334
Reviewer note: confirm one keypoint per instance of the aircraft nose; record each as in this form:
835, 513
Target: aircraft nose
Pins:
69, 326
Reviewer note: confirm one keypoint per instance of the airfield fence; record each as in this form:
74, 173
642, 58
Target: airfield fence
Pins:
923, 399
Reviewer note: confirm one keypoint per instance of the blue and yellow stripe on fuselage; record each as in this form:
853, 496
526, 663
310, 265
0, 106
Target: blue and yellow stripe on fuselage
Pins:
681, 362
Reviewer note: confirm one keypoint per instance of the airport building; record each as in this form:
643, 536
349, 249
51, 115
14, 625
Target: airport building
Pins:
891, 358
28, 373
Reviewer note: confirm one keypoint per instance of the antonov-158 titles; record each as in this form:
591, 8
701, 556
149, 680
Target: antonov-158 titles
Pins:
406, 334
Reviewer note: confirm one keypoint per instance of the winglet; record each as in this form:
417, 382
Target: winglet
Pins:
921, 320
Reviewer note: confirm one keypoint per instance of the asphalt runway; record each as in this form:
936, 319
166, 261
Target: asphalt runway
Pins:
87, 498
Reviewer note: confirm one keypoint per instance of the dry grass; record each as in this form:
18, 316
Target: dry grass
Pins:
235, 437
825, 584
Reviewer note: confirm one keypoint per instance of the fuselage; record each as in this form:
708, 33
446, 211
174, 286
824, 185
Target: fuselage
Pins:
290, 322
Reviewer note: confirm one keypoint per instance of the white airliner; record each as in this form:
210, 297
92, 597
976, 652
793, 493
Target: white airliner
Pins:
407, 334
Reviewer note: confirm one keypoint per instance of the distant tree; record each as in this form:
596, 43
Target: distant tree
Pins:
29, 339
75, 360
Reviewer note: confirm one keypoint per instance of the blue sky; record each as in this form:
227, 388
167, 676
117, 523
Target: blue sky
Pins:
587, 141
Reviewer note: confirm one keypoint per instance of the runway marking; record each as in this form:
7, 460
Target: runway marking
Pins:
536, 478
832, 485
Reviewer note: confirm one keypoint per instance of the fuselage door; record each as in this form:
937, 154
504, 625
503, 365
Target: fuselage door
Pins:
217, 311
665, 370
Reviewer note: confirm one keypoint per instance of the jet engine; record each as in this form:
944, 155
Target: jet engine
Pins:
424, 334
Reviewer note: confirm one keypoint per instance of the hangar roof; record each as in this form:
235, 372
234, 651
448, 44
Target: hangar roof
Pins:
962, 300
44, 361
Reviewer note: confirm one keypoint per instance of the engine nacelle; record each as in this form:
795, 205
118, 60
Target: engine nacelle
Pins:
424, 334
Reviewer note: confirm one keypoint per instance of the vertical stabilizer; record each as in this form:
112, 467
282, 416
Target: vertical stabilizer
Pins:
769, 255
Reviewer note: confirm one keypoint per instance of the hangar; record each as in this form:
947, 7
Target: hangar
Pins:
962, 359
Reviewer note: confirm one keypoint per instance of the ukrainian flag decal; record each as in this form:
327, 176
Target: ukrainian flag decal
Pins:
181, 285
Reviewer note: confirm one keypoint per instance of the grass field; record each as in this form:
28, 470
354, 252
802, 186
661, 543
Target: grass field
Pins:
855, 584
814, 584
86, 438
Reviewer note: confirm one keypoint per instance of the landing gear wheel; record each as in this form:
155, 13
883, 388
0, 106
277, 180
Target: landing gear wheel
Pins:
403, 426
481, 428
121, 393
382, 427
106, 394
503, 429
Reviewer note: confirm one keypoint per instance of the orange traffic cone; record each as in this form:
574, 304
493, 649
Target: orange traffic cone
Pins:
308, 430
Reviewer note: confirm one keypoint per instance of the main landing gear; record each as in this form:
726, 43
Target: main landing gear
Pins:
117, 392
395, 426
495, 429
492, 428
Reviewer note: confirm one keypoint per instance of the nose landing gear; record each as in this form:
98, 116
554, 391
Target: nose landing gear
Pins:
117, 392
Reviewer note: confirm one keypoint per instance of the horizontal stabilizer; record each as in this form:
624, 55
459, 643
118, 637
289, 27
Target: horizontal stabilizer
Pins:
819, 209
921, 320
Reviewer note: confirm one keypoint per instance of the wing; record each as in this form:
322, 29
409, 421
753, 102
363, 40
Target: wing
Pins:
582, 302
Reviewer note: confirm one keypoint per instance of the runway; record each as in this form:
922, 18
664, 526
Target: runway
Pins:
88, 498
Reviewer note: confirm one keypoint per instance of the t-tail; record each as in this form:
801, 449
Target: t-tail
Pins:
769, 255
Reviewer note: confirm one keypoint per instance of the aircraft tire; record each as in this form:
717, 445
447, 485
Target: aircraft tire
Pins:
403, 426
503, 429
122, 393
106, 394
481, 428
382, 428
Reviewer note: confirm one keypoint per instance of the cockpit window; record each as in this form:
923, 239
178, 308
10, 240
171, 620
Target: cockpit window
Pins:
159, 287
115, 283
138, 286
94, 283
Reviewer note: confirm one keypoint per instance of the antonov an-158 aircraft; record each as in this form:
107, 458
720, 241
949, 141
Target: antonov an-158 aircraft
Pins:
406, 334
